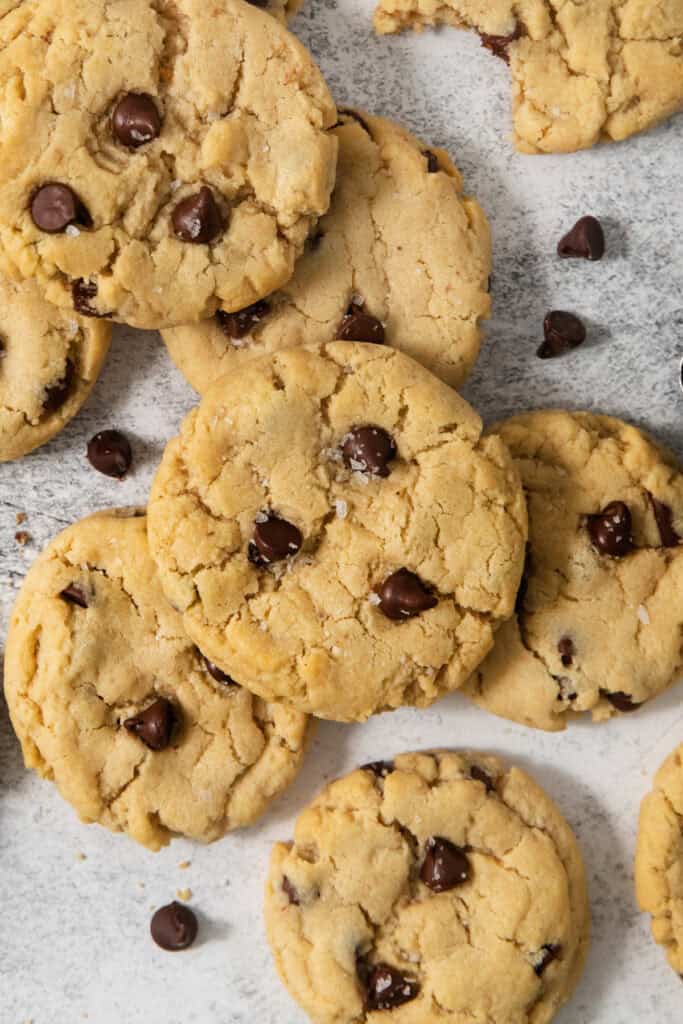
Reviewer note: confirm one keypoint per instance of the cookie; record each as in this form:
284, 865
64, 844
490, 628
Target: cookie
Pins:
283, 10
161, 159
49, 362
402, 256
442, 887
581, 72
335, 531
659, 858
599, 616
112, 701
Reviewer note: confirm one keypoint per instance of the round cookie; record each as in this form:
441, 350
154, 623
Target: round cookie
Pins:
442, 887
659, 858
599, 616
401, 256
336, 532
581, 72
49, 362
113, 702
161, 158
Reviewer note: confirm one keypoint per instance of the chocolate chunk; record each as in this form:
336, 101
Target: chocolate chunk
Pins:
546, 956
379, 768
664, 519
236, 325
621, 701
54, 207
358, 325
369, 450
73, 594
136, 120
290, 892
403, 595
499, 45
586, 241
610, 530
563, 331
566, 651
445, 865
57, 394
197, 218
274, 539
109, 452
386, 987
82, 294
432, 162
216, 673
479, 775
154, 725
174, 927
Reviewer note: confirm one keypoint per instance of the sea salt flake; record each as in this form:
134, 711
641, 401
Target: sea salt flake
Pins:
341, 508
374, 598
643, 615
261, 517
72, 231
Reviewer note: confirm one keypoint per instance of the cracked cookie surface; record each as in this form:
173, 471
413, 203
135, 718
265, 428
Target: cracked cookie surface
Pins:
165, 158
368, 920
583, 71
419, 520
659, 858
400, 240
596, 629
49, 362
92, 644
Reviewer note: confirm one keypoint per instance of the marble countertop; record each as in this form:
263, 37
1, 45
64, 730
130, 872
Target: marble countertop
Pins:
76, 900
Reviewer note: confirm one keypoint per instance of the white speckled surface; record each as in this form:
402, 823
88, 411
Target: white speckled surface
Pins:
74, 943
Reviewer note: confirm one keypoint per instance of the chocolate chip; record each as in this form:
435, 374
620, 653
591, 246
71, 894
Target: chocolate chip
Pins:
154, 725
499, 45
586, 241
563, 331
82, 294
432, 162
174, 927
369, 450
566, 651
358, 325
290, 892
73, 594
274, 539
236, 325
546, 956
54, 207
379, 768
386, 987
57, 394
403, 595
216, 673
610, 530
621, 701
197, 218
479, 775
445, 865
109, 452
664, 519
136, 120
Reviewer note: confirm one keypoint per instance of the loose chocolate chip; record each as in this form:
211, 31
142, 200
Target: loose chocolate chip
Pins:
73, 594
197, 218
403, 595
154, 725
524, 582
274, 539
54, 207
620, 701
136, 120
479, 775
174, 927
546, 956
499, 45
358, 325
379, 768
386, 987
82, 294
610, 530
586, 241
236, 325
109, 452
664, 519
432, 162
57, 394
369, 450
566, 651
290, 892
445, 865
216, 673
563, 331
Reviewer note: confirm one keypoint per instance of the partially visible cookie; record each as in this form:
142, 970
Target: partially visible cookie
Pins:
582, 72
442, 887
283, 10
403, 257
113, 702
599, 615
659, 858
49, 362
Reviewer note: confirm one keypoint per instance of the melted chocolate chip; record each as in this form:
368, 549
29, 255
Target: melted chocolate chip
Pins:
290, 892
379, 768
611, 530
546, 956
57, 394
73, 594
386, 987
136, 120
445, 865
236, 325
432, 162
563, 332
197, 218
565, 648
358, 325
154, 725
274, 539
620, 701
174, 927
586, 241
54, 207
479, 775
499, 45
404, 595
109, 452
369, 450
664, 519
216, 673
82, 294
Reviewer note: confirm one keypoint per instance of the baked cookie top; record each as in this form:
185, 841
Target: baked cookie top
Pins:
402, 256
335, 531
659, 858
161, 159
442, 887
581, 72
50, 359
598, 620
113, 702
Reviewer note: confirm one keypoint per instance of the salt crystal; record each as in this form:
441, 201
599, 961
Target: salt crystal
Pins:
261, 517
374, 598
341, 508
72, 231
643, 615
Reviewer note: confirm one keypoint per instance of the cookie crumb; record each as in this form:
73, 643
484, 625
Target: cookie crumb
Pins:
80, 855
20, 518
184, 894
22, 537
184, 864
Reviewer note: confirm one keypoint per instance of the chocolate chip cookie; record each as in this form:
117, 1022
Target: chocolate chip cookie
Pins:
440, 887
581, 72
113, 702
403, 257
599, 616
162, 159
335, 531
